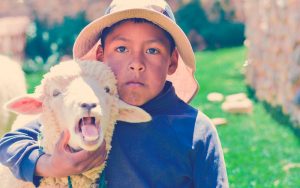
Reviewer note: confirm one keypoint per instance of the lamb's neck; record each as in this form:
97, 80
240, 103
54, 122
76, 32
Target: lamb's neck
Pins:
50, 131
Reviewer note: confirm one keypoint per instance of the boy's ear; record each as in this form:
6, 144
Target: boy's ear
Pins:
174, 62
99, 53
132, 114
27, 104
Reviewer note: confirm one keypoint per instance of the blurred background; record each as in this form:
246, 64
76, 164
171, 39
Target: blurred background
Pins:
248, 68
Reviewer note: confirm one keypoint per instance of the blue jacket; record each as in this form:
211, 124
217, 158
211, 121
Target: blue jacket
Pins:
179, 148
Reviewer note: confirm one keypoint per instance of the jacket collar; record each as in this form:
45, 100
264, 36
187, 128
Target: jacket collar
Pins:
162, 103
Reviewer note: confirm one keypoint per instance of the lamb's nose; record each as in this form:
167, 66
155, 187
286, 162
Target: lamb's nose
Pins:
88, 106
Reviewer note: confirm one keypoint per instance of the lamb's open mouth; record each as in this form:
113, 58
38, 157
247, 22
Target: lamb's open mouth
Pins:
89, 129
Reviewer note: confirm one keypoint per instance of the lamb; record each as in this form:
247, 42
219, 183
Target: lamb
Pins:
12, 84
82, 97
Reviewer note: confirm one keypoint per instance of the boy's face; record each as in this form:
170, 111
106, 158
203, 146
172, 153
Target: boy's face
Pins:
139, 55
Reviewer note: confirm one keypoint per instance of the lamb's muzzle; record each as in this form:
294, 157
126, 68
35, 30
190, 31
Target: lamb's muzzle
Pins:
88, 106
89, 129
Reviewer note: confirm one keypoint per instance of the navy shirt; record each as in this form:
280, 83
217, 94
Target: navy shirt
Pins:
178, 148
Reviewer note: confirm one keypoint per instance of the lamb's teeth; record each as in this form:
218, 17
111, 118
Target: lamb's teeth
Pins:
87, 120
90, 138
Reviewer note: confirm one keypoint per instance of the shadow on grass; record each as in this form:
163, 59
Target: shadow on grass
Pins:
275, 112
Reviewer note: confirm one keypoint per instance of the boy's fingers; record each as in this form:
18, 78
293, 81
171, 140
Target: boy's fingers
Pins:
90, 155
63, 140
103, 146
100, 155
98, 160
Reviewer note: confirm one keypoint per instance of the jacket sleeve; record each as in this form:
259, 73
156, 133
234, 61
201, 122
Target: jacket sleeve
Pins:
209, 169
20, 151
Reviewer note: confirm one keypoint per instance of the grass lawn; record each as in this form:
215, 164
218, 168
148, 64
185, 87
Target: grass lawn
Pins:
256, 146
33, 80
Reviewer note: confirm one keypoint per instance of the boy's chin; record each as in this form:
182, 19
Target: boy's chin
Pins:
135, 100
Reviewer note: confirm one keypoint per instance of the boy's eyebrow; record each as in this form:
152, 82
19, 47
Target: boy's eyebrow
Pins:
120, 38
156, 40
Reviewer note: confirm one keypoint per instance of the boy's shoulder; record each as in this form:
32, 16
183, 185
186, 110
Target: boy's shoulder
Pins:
203, 119
204, 129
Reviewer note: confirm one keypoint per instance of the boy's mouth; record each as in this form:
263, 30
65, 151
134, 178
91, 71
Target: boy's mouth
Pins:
134, 83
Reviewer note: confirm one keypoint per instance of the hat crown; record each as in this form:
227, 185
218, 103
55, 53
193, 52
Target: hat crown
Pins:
160, 6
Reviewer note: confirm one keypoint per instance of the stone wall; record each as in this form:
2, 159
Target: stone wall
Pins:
273, 41
13, 36
44, 9
52, 11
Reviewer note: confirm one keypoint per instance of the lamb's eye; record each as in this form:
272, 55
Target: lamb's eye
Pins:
106, 89
55, 93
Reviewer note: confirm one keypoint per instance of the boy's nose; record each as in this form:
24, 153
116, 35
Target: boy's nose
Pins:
137, 65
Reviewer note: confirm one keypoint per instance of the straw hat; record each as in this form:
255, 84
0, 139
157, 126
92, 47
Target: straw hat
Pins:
158, 12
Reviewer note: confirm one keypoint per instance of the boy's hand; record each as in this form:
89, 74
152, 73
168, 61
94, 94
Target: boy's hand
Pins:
64, 163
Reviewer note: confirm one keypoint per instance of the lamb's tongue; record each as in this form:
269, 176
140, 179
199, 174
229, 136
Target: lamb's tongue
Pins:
90, 132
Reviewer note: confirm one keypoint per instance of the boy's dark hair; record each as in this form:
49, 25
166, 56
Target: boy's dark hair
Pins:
108, 30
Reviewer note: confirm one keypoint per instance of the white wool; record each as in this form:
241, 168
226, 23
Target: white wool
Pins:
58, 113
12, 84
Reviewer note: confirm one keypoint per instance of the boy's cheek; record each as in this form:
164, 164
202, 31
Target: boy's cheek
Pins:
116, 65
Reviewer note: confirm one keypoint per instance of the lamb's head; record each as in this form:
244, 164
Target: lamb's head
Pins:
81, 97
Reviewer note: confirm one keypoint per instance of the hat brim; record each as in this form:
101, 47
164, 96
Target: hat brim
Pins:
183, 79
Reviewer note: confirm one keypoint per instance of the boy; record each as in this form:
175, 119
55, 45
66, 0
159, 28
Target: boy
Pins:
141, 42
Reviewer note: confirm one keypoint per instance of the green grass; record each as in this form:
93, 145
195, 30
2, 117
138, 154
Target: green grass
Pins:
256, 146
33, 80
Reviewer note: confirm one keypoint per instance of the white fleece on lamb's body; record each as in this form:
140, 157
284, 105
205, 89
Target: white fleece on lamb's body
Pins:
12, 84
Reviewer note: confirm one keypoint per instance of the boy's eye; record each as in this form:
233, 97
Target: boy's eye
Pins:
121, 49
152, 51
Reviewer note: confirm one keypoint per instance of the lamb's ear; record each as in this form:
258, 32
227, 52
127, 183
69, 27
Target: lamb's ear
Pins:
27, 104
132, 114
